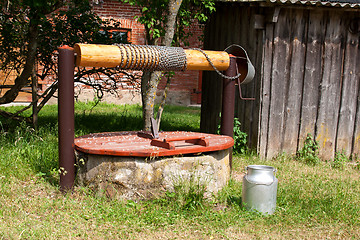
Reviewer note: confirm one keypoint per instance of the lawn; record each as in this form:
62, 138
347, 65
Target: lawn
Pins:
313, 201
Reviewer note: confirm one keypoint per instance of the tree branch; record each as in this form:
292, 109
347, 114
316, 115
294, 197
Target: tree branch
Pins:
174, 6
12, 116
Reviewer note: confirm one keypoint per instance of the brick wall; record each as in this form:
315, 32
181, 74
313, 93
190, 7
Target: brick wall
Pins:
124, 14
185, 83
185, 86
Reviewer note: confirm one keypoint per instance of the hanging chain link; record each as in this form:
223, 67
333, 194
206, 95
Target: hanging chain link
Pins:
213, 66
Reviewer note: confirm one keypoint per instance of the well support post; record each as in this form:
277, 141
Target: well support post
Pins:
66, 118
228, 102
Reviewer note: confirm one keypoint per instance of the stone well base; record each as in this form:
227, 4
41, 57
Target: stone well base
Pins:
136, 177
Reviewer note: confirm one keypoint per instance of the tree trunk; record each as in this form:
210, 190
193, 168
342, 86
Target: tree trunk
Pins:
150, 80
162, 103
34, 90
149, 83
174, 6
22, 80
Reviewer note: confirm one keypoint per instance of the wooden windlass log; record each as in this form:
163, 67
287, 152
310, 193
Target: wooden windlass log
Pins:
143, 57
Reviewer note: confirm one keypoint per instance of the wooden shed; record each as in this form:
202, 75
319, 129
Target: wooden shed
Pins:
307, 60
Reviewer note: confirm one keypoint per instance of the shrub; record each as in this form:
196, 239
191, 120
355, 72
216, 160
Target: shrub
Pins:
240, 138
340, 160
310, 151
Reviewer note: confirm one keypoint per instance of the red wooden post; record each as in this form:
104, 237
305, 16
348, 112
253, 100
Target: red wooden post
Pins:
228, 102
66, 118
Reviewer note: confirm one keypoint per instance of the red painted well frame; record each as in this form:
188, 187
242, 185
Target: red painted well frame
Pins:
66, 120
130, 144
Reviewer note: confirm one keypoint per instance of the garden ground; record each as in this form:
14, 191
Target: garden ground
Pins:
313, 201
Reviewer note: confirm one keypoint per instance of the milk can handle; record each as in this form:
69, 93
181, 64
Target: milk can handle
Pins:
275, 170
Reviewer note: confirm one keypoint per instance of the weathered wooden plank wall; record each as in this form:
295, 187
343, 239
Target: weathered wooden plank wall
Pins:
211, 82
330, 92
315, 65
250, 110
312, 73
347, 125
307, 80
293, 99
232, 25
266, 71
279, 81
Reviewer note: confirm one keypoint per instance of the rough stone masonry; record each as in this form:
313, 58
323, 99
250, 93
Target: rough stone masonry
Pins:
139, 178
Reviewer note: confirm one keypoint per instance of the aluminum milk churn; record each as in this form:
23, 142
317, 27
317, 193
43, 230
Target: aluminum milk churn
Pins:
259, 189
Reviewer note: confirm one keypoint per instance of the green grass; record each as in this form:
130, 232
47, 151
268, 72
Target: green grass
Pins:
314, 201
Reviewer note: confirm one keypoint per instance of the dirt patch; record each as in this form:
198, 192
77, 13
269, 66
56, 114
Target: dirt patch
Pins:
237, 176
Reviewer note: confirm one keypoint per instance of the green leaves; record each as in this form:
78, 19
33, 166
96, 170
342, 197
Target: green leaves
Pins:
240, 138
154, 14
310, 151
76, 23
340, 160
191, 11
31, 31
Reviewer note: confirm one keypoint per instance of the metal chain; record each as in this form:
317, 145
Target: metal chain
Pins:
213, 66
160, 58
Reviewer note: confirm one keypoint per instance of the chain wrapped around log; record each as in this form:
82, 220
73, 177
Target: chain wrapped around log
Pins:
149, 58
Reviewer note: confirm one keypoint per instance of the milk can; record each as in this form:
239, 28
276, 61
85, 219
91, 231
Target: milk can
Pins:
259, 189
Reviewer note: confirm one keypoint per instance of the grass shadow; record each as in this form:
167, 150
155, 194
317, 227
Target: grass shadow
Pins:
234, 200
37, 151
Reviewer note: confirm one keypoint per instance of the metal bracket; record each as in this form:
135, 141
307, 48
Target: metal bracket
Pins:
239, 86
240, 94
154, 128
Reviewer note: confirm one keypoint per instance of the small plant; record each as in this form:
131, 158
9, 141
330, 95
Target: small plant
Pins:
340, 160
188, 194
240, 138
309, 154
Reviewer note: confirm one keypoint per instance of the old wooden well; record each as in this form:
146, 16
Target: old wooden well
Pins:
133, 165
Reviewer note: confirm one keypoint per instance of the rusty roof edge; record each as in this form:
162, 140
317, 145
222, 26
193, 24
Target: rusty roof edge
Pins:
349, 4
240, 1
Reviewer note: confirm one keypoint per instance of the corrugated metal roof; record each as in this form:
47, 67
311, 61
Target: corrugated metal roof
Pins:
329, 3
